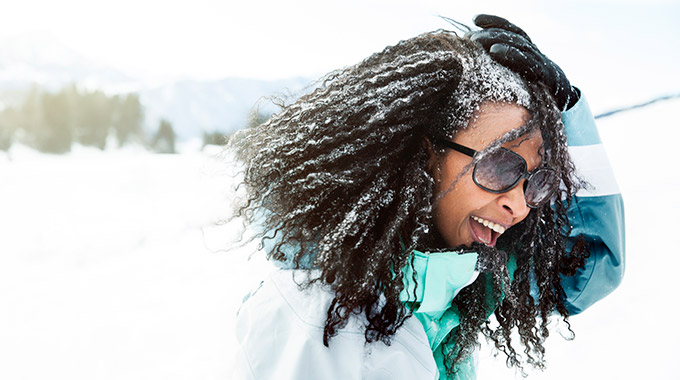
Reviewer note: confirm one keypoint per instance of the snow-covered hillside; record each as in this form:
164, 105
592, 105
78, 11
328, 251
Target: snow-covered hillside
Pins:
112, 265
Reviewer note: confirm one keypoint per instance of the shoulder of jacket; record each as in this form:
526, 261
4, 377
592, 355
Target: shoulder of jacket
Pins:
281, 313
308, 304
311, 304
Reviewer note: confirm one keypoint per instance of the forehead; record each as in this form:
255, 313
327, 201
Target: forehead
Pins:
495, 120
491, 122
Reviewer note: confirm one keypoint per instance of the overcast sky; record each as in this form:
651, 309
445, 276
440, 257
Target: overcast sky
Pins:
611, 44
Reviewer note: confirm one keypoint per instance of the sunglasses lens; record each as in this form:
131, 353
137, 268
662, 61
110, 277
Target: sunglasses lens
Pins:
499, 170
540, 187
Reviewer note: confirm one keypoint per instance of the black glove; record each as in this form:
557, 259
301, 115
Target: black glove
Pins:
510, 46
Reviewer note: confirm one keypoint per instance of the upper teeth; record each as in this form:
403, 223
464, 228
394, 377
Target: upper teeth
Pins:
494, 226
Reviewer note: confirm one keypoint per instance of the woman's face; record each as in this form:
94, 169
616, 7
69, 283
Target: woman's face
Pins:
461, 213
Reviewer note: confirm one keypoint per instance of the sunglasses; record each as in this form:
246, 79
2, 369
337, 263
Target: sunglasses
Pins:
501, 170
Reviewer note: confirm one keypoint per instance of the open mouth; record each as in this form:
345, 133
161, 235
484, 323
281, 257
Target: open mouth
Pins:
485, 231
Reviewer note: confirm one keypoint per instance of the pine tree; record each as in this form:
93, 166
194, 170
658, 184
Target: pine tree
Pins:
9, 120
93, 119
127, 123
55, 133
164, 140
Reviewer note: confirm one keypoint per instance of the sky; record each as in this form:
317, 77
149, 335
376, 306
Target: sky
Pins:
210, 39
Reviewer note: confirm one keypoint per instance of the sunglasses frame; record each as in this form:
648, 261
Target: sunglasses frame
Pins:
525, 173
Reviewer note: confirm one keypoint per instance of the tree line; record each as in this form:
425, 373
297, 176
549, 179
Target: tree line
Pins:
53, 121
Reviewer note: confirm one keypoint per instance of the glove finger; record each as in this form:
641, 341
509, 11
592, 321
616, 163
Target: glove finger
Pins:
485, 21
561, 87
535, 70
489, 37
507, 48
526, 65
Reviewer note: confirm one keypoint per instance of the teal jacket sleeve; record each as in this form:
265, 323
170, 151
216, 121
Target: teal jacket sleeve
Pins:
596, 212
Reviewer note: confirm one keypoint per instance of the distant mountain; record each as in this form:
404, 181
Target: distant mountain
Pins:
222, 105
40, 58
191, 106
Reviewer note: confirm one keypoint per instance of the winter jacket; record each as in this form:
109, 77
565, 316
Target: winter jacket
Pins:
280, 327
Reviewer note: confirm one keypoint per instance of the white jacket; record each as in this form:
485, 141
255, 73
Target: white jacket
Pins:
280, 331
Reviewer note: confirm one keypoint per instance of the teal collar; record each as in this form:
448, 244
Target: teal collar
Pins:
440, 276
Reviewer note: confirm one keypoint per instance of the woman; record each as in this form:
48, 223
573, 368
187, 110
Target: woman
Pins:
412, 196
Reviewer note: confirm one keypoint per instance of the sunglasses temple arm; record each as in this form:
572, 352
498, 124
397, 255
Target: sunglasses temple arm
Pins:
460, 148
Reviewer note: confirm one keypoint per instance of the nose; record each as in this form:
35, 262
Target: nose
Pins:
514, 202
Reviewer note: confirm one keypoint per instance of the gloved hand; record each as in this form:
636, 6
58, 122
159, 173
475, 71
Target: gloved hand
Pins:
510, 46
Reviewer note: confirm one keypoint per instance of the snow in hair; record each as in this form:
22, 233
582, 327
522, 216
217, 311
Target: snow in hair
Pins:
484, 80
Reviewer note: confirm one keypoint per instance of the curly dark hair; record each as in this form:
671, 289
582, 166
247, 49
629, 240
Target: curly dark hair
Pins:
342, 176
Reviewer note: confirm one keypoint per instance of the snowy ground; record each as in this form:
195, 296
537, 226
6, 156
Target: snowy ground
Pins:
111, 266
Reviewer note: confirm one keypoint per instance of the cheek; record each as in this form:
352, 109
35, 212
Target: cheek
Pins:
459, 189
454, 208
464, 198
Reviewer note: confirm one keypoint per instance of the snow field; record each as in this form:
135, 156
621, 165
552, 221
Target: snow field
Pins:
113, 265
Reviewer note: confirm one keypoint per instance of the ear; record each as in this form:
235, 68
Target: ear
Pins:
432, 158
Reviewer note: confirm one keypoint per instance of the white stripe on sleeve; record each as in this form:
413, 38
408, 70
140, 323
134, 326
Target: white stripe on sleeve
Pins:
593, 165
